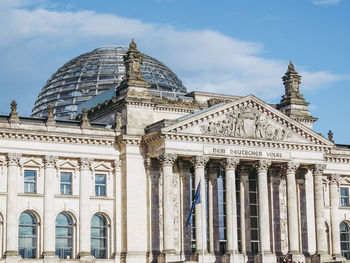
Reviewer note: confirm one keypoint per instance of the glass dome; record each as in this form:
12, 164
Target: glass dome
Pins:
92, 73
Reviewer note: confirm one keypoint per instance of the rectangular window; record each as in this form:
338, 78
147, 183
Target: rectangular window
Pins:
344, 196
29, 181
66, 183
100, 184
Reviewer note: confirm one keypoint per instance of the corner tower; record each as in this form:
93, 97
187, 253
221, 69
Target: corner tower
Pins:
293, 103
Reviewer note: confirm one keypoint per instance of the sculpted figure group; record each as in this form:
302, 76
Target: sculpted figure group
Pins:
245, 123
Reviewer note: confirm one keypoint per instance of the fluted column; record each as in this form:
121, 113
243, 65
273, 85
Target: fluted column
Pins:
293, 229
167, 161
199, 163
84, 215
321, 247
231, 209
11, 215
264, 224
49, 217
334, 192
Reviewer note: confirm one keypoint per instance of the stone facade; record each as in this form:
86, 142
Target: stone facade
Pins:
270, 187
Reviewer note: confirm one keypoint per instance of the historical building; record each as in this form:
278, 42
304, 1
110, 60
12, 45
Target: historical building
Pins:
108, 165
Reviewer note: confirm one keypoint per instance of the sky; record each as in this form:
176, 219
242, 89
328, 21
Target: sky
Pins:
236, 47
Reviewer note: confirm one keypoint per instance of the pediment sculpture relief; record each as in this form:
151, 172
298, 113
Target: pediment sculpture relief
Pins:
246, 122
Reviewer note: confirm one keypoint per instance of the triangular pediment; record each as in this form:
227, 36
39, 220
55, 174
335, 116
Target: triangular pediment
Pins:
246, 118
102, 167
67, 165
31, 163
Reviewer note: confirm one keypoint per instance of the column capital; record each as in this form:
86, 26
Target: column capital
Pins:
263, 165
85, 163
199, 161
291, 167
318, 169
50, 161
167, 159
231, 163
335, 179
13, 159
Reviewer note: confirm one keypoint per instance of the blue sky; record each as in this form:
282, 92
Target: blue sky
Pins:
237, 47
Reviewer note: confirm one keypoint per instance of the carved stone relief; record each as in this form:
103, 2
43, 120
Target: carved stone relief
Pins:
246, 122
283, 216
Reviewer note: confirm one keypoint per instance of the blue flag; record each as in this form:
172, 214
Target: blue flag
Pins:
196, 200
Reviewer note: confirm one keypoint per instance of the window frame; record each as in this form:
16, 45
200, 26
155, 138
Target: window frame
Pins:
29, 182
65, 237
65, 183
106, 230
35, 237
341, 197
99, 186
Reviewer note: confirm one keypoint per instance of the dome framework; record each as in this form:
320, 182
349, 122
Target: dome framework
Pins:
92, 73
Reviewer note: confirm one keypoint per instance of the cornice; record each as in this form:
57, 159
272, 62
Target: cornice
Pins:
337, 159
56, 137
239, 142
128, 140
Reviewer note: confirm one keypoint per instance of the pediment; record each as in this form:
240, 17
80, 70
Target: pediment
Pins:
246, 118
31, 163
67, 165
102, 167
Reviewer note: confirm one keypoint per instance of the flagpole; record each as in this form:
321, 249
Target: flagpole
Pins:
202, 220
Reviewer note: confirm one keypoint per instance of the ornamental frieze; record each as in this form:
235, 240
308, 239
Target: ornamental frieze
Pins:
246, 122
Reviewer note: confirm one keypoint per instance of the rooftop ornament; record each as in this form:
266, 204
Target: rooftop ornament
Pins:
84, 119
14, 114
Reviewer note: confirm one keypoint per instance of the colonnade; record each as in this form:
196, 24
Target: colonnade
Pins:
290, 172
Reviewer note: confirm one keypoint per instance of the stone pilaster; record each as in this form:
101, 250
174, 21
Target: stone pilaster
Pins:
167, 161
264, 224
49, 216
13, 161
334, 193
84, 215
231, 210
321, 247
199, 163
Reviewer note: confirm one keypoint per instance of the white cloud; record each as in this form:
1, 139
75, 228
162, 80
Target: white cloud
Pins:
206, 60
326, 2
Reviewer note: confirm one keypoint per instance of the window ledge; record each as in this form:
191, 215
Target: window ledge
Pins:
101, 197
66, 196
30, 194
3, 193
344, 207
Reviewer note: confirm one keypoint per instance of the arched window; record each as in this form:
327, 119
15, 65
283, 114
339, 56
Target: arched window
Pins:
64, 236
27, 235
99, 236
345, 240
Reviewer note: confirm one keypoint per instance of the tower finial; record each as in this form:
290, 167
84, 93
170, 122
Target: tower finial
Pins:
132, 45
291, 66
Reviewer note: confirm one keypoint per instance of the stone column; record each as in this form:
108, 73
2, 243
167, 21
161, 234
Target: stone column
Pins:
264, 224
212, 176
334, 192
11, 215
293, 229
199, 163
167, 161
321, 247
231, 209
84, 214
49, 216
243, 203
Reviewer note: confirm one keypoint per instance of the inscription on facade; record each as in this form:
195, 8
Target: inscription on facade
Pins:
244, 152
